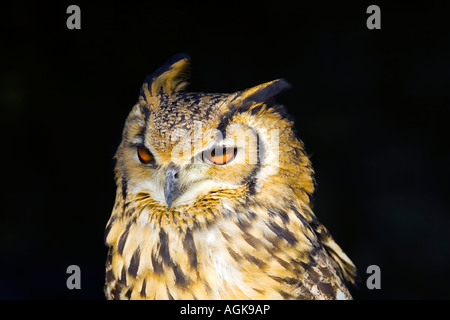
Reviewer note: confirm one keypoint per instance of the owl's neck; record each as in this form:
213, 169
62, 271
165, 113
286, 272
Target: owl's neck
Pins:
215, 251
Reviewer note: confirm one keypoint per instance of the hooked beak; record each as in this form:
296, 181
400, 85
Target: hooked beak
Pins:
171, 185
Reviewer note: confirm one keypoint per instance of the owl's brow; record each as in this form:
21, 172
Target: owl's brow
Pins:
225, 121
138, 140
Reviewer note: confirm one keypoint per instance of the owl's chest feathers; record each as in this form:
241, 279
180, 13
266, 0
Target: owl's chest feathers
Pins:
231, 258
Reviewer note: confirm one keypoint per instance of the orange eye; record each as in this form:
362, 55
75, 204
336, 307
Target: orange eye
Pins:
220, 156
144, 155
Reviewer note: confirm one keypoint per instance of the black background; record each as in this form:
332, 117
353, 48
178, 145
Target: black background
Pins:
372, 107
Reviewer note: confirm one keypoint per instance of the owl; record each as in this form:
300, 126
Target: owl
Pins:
213, 200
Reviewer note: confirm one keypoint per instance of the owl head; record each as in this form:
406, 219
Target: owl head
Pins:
180, 148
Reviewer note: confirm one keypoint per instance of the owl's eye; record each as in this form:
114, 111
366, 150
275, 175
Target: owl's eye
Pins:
220, 156
144, 155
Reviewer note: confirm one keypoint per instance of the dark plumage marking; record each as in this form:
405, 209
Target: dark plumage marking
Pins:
123, 277
254, 242
275, 241
146, 112
277, 279
109, 277
311, 225
304, 293
243, 225
288, 280
252, 187
168, 294
143, 288
300, 216
291, 281
226, 118
211, 212
259, 291
271, 212
285, 264
128, 293
261, 264
130, 212
164, 248
326, 273
282, 233
134, 263
115, 292
109, 257
207, 286
326, 288
308, 267
180, 278
251, 215
209, 221
226, 236
124, 190
234, 255
123, 240
191, 250
314, 223
285, 295
157, 266
284, 216
108, 228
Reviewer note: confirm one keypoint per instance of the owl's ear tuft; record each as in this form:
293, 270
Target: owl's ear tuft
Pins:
263, 92
251, 98
169, 78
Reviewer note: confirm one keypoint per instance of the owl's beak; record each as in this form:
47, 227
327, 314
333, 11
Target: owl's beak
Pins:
171, 185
